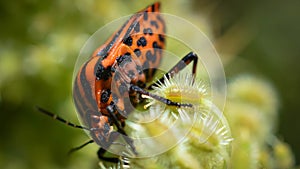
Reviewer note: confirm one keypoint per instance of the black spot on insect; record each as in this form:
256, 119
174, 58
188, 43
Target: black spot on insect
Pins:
103, 73
149, 55
145, 16
146, 65
154, 23
131, 74
141, 42
137, 52
106, 128
123, 59
161, 38
161, 21
137, 27
122, 88
152, 58
127, 54
105, 94
155, 45
128, 41
147, 31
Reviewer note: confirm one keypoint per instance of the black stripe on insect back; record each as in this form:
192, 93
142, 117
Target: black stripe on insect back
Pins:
81, 101
153, 8
154, 23
137, 27
87, 87
116, 36
132, 26
78, 100
104, 52
145, 16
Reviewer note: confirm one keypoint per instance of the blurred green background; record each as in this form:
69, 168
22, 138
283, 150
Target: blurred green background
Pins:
40, 42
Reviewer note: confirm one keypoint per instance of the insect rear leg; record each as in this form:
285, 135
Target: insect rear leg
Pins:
186, 60
115, 160
101, 153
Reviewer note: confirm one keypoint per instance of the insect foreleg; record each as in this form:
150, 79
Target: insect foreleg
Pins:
186, 60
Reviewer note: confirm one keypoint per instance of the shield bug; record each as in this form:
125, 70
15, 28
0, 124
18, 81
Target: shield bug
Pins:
117, 74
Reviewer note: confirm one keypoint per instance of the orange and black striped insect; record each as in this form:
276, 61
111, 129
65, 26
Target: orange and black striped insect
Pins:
117, 74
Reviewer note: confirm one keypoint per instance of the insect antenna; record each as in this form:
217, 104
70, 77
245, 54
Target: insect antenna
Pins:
56, 117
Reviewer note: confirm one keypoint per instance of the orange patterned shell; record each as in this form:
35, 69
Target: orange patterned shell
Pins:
129, 56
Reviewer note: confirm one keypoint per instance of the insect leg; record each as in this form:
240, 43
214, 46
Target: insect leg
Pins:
101, 153
186, 60
159, 98
111, 110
